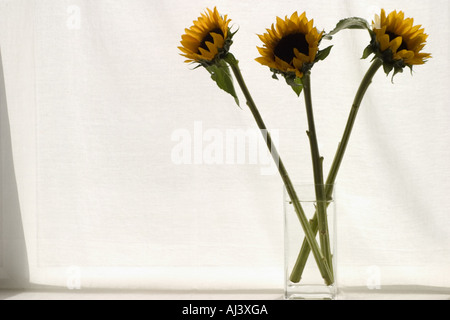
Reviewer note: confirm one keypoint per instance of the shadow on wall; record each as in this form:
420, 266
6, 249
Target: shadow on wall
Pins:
14, 271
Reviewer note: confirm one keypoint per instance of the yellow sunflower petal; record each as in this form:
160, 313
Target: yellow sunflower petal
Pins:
290, 27
383, 17
310, 25
184, 50
300, 57
282, 64
206, 54
264, 51
218, 39
281, 26
212, 48
395, 44
405, 27
384, 42
294, 17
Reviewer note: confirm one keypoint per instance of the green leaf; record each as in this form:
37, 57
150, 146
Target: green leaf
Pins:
388, 68
397, 70
296, 84
297, 89
221, 74
348, 23
367, 52
323, 54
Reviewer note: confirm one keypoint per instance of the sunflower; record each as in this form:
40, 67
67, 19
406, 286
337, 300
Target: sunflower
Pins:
290, 47
397, 41
208, 39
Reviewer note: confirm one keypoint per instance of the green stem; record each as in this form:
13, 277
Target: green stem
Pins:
367, 80
310, 237
317, 162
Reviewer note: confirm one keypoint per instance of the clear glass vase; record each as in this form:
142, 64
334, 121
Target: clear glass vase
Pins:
303, 280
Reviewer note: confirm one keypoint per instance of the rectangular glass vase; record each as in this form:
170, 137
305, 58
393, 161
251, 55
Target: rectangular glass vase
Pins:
303, 280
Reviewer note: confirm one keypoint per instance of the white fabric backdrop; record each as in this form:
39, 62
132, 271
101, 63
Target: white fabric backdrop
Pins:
97, 96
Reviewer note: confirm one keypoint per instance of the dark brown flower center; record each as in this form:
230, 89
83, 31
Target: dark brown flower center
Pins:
393, 36
285, 48
209, 38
